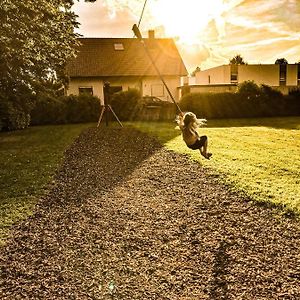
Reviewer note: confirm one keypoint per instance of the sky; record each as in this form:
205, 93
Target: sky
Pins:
208, 33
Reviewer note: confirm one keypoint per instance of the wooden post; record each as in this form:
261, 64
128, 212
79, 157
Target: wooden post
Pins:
106, 92
106, 107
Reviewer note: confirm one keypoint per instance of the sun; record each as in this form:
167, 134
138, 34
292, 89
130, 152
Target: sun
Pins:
185, 19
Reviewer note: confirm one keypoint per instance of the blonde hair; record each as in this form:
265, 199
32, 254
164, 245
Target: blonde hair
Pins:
191, 122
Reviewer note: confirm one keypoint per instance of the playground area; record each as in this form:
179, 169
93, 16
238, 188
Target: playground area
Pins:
125, 218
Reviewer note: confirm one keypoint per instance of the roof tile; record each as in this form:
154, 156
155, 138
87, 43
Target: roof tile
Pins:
98, 57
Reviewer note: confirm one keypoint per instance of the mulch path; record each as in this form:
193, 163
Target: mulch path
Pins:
127, 219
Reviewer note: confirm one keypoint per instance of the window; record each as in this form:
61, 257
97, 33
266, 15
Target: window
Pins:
119, 46
86, 91
234, 73
157, 90
282, 75
115, 89
234, 77
208, 79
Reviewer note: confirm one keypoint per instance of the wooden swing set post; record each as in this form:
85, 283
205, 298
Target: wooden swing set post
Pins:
106, 108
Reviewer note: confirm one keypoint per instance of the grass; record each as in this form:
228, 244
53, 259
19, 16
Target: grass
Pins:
28, 161
260, 157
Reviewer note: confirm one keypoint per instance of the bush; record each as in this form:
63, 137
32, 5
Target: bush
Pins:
14, 112
249, 89
81, 109
127, 105
65, 109
292, 105
48, 110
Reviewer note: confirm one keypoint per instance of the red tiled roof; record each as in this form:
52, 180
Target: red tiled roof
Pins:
98, 57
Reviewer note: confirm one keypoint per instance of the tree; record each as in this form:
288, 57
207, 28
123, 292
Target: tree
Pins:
281, 61
36, 40
249, 89
237, 60
195, 71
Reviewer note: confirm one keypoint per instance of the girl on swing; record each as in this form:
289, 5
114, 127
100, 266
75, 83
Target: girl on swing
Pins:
188, 124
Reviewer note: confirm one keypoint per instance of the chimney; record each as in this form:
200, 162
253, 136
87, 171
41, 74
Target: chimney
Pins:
151, 34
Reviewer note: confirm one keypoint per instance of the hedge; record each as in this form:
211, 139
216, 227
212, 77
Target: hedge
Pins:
249, 101
65, 109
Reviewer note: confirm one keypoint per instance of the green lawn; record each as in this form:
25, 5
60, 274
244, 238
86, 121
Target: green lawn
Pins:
28, 160
258, 156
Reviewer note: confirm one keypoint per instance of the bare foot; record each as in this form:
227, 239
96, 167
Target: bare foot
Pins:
208, 155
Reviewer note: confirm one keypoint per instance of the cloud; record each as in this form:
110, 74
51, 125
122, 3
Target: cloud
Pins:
259, 30
102, 19
193, 55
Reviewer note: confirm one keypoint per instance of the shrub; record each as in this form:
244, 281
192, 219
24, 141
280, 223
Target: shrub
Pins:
48, 110
65, 109
249, 89
14, 112
82, 108
127, 105
292, 105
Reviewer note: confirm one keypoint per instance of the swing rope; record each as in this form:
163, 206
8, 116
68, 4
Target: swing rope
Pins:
137, 33
142, 14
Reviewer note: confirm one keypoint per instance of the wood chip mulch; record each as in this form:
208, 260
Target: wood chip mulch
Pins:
127, 219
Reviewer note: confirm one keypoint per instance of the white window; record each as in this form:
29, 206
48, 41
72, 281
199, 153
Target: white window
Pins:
119, 46
87, 90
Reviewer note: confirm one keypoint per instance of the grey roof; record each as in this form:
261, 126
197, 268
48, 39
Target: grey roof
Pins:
98, 57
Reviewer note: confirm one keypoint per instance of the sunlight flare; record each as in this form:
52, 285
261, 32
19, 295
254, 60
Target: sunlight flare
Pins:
186, 19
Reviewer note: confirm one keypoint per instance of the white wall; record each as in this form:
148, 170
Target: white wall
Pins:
96, 84
217, 75
291, 75
148, 86
213, 88
260, 74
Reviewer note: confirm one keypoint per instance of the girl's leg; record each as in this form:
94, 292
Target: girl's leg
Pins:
203, 151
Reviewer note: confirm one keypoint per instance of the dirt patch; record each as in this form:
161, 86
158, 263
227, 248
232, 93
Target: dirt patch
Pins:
127, 219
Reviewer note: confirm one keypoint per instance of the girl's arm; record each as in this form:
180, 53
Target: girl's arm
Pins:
179, 120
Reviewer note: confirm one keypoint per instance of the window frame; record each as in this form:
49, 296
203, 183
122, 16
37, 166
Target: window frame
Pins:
81, 88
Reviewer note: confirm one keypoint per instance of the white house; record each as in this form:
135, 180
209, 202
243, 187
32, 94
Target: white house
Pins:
226, 78
123, 62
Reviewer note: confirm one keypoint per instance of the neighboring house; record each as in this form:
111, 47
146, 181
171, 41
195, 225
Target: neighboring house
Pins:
124, 63
227, 77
